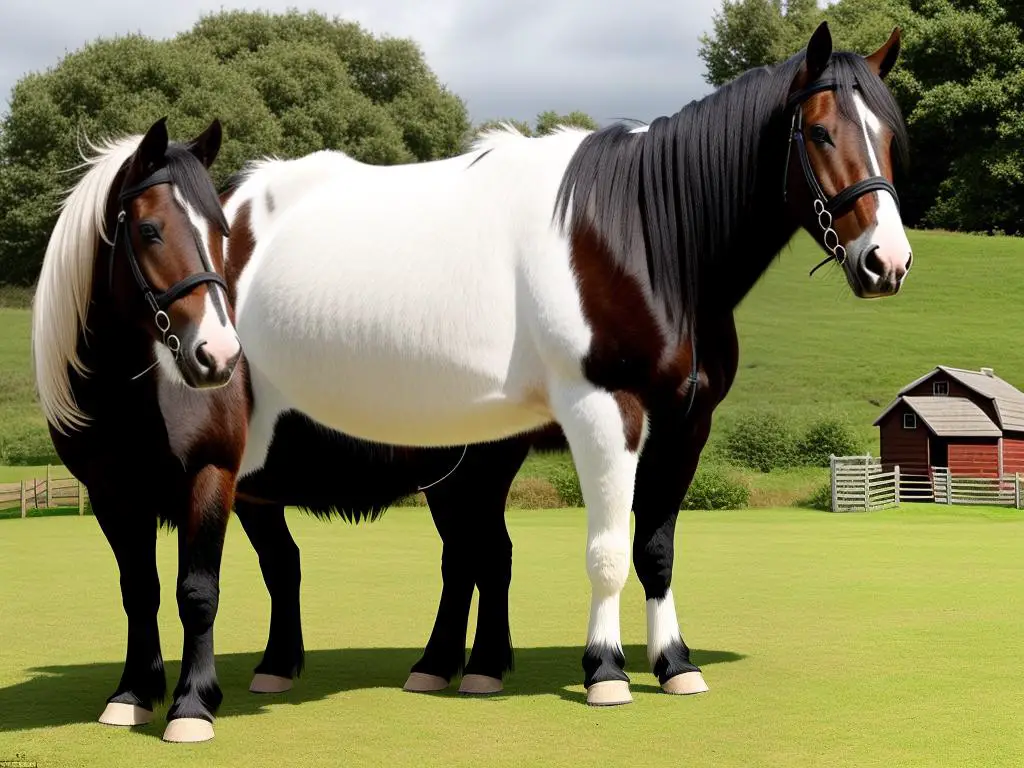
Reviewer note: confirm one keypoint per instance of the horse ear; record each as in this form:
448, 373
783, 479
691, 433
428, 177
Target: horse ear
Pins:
153, 148
819, 51
207, 144
883, 60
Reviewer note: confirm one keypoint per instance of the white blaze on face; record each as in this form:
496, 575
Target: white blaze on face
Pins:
215, 329
887, 233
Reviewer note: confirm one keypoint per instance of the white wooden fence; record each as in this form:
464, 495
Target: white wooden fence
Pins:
1002, 491
860, 485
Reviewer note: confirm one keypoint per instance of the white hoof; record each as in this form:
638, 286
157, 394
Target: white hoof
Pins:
480, 685
125, 714
188, 730
420, 682
262, 683
685, 684
609, 693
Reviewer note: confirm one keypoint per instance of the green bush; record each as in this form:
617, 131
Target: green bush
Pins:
820, 499
31, 447
713, 488
567, 485
762, 441
826, 438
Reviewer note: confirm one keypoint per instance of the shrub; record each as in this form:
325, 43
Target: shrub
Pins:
762, 441
567, 484
533, 493
713, 488
825, 438
31, 447
820, 499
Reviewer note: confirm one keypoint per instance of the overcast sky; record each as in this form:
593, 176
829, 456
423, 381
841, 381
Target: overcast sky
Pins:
505, 58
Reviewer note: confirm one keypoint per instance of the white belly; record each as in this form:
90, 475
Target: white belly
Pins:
410, 338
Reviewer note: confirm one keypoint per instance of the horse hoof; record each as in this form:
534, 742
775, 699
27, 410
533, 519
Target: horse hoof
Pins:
125, 714
188, 730
262, 683
420, 682
609, 693
685, 684
480, 685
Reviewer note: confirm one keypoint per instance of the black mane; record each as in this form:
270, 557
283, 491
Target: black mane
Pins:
191, 177
705, 184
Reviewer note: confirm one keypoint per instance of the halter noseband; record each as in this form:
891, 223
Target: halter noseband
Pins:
158, 301
826, 208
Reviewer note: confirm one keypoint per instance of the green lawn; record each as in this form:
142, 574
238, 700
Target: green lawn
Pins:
883, 639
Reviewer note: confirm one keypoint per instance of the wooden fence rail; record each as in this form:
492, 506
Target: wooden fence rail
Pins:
43, 493
859, 484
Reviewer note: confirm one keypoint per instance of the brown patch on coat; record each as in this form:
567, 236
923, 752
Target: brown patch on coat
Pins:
240, 248
632, 411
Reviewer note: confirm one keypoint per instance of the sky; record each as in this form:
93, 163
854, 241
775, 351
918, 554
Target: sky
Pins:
505, 58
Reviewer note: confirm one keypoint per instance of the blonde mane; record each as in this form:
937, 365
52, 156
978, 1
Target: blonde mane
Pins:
62, 296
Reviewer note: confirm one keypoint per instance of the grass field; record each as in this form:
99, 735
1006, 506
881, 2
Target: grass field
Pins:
889, 639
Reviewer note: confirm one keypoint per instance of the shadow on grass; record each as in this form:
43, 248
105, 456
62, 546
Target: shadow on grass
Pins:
64, 695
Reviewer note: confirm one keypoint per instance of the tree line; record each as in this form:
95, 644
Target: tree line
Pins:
282, 84
293, 83
959, 82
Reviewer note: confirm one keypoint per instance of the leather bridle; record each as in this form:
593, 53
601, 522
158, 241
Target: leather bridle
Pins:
826, 208
159, 302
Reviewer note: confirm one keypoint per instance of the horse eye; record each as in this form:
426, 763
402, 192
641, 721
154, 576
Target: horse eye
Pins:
150, 232
820, 135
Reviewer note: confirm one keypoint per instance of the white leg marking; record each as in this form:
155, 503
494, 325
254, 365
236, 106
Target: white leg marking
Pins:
593, 426
662, 626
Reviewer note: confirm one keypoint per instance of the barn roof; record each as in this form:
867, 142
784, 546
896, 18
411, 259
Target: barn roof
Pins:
948, 416
1008, 400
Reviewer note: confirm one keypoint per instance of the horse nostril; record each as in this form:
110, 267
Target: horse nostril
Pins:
873, 262
910, 260
202, 357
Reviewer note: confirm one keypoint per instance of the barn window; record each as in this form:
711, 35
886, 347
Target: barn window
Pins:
940, 388
910, 421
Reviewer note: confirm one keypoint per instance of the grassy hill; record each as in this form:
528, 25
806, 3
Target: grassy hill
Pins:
808, 347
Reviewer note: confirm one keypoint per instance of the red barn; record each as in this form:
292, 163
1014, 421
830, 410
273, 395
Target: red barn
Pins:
969, 421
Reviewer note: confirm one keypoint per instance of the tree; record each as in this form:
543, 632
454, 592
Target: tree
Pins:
285, 85
959, 83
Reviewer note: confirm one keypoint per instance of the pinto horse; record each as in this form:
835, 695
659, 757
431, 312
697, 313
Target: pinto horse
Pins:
587, 279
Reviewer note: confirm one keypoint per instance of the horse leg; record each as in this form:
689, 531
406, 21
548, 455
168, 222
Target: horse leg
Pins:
667, 466
604, 440
487, 482
132, 536
445, 651
200, 546
267, 529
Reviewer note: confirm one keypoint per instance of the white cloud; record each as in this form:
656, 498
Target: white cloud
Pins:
505, 58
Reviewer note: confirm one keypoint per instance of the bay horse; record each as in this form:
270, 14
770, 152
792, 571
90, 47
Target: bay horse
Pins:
583, 278
127, 287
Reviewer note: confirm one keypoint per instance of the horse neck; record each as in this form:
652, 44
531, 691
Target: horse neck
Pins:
114, 348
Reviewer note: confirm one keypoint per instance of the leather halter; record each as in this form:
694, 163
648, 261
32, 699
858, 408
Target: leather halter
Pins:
159, 302
826, 208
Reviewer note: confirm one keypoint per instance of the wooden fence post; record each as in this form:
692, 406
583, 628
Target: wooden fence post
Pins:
896, 483
81, 505
24, 500
867, 484
1016, 490
832, 466
46, 491
949, 486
